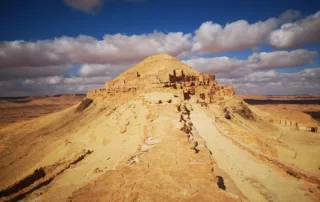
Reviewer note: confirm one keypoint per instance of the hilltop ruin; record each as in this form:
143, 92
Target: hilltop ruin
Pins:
153, 74
160, 131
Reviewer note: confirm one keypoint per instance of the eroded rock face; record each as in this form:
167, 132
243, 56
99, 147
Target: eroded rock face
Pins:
169, 171
164, 73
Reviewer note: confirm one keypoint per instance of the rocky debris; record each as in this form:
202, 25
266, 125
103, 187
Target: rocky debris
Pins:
203, 104
172, 172
226, 113
97, 170
172, 161
150, 143
159, 98
244, 111
220, 182
161, 75
195, 146
178, 108
133, 159
187, 126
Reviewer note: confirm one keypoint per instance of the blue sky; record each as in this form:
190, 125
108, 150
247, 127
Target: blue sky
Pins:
41, 44
36, 19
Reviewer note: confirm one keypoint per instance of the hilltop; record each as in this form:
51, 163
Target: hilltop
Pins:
160, 131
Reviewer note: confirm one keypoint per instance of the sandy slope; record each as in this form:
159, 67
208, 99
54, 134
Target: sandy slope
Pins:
51, 140
171, 165
258, 180
141, 145
26, 108
171, 171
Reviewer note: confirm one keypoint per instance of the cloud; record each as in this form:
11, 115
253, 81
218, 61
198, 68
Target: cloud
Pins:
288, 16
84, 49
271, 82
239, 35
292, 35
32, 72
257, 61
281, 59
258, 82
40, 67
88, 6
93, 70
50, 85
216, 64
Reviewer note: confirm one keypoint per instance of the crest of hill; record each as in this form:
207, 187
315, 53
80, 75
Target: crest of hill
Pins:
155, 63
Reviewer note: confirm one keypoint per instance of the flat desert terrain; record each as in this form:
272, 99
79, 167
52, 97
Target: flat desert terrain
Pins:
25, 108
294, 107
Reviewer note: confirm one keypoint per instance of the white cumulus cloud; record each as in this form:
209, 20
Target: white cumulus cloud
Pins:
256, 61
293, 35
84, 49
271, 82
281, 59
239, 35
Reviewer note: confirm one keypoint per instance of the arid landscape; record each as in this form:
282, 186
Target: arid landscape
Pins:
160, 131
25, 108
160, 101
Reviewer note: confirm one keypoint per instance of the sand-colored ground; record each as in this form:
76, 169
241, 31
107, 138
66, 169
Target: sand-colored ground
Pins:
170, 171
153, 145
300, 108
26, 108
258, 180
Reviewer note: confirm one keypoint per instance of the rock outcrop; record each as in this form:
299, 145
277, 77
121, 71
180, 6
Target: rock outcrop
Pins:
164, 73
160, 131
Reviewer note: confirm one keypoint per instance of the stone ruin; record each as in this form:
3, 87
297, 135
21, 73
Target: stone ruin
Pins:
296, 125
200, 87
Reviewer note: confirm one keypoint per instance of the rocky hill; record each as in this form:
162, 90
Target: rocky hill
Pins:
160, 131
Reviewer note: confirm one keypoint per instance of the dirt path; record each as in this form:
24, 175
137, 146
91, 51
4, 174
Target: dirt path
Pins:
257, 180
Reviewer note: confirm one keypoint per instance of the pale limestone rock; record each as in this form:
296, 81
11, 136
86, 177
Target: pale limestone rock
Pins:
151, 141
145, 148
